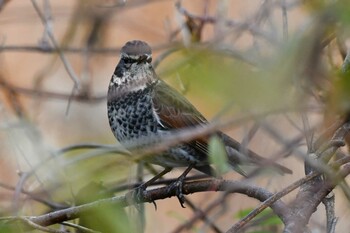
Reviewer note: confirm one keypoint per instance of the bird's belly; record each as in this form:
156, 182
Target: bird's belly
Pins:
177, 156
132, 117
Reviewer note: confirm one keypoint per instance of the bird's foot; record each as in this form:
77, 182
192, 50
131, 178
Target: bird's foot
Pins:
138, 193
135, 196
177, 187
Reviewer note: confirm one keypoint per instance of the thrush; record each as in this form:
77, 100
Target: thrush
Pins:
142, 105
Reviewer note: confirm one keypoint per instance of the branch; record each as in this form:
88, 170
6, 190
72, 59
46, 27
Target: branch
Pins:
215, 185
51, 95
52, 37
229, 23
310, 196
314, 192
269, 202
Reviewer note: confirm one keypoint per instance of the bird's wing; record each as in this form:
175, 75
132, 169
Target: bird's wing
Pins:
173, 109
175, 112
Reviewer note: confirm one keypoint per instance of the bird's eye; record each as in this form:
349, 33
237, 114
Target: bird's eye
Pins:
127, 60
149, 60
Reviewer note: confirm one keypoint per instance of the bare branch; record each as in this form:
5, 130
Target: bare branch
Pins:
270, 201
157, 194
52, 37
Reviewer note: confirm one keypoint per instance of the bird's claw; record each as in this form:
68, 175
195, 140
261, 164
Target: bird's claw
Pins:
177, 186
137, 193
137, 196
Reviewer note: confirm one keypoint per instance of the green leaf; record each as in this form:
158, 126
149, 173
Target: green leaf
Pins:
221, 80
217, 155
270, 219
242, 213
112, 218
10, 227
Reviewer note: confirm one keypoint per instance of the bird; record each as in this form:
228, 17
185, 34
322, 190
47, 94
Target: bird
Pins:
140, 104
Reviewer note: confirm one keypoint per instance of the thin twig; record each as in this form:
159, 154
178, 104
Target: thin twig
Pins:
328, 202
35, 197
80, 228
228, 23
203, 215
52, 37
270, 201
284, 20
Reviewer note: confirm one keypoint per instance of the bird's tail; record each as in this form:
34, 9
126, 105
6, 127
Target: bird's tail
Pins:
238, 155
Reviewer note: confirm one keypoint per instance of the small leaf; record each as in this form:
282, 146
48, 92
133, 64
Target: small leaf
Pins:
270, 219
10, 227
111, 219
217, 155
242, 213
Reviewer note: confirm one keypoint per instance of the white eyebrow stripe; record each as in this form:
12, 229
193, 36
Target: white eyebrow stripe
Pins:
135, 57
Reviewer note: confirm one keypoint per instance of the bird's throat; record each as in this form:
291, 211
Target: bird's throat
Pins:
122, 86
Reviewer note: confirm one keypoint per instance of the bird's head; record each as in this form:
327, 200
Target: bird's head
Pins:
135, 53
134, 70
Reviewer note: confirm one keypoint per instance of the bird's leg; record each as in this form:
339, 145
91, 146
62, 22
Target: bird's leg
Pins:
155, 178
139, 190
178, 184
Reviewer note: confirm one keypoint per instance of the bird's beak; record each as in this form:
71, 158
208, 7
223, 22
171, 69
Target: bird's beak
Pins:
143, 58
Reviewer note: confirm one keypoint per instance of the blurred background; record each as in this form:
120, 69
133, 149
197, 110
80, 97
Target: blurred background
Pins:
229, 58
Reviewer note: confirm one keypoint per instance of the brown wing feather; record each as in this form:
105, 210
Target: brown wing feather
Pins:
176, 112
173, 109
